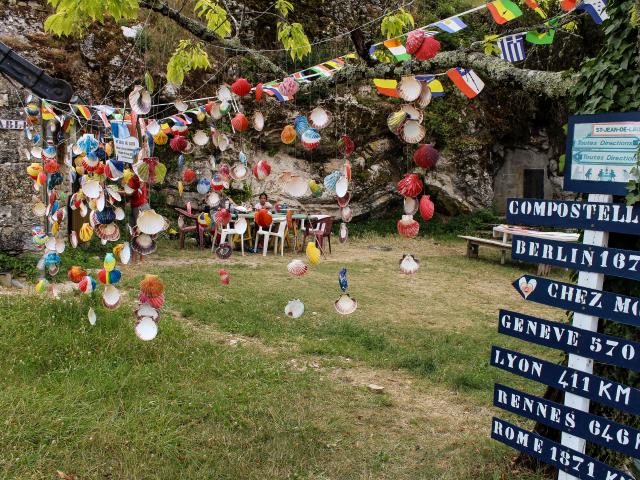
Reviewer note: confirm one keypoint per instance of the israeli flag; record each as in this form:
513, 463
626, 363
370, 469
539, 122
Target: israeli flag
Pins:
512, 48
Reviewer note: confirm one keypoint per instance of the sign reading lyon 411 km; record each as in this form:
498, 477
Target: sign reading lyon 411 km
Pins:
601, 151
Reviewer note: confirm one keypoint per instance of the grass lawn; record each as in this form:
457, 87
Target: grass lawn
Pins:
233, 389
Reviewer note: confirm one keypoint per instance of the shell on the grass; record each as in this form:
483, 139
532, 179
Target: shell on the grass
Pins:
294, 309
146, 329
409, 264
345, 305
297, 267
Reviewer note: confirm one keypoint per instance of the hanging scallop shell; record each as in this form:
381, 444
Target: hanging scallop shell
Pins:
344, 200
409, 265
125, 253
261, 170
412, 131
258, 121
408, 227
296, 186
408, 89
343, 235
146, 329
410, 185
345, 305
39, 209
146, 310
213, 199
410, 205
203, 186
180, 105
395, 120
240, 226
73, 239
224, 251
331, 180
153, 127
294, 309
224, 93
297, 267
143, 244
288, 135
320, 118
426, 156
240, 122
425, 95
150, 222
346, 213
342, 186
313, 253
288, 87
427, 208
239, 171
223, 142
413, 113
111, 297
310, 139
200, 138
92, 189
140, 100
216, 114
155, 302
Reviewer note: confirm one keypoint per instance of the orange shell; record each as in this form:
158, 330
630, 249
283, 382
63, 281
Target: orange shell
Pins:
288, 135
152, 286
263, 218
76, 274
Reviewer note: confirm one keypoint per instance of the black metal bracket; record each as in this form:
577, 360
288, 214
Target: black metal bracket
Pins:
35, 79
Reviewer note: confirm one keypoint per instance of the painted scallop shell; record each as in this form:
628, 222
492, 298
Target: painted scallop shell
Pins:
224, 276
296, 186
223, 142
111, 297
261, 170
146, 329
313, 253
427, 208
288, 87
310, 139
344, 200
412, 131
213, 199
216, 114
408, 88
395, 120
425, 96
331, 180
342, 186
92, 188
153, 127
155, 302
203, 186
152, 286
76, 274
143, 244
410, 206
87, 284
240, 226
241, 87
426, 156
239, 171
200, 138
410, 185
429, 48
240, 122
413, 113
345, 305
140, 100
258, 121
343, 235
409, 265
224, 251
124, 253
146, 310
288, 135
297, 267
319, 118
150, 222
109, 232
346, 213
408, 227
224, 93
414, 41
222, 217
294, 309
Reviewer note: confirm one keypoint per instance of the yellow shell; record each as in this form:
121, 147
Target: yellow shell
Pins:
313, 253
108, 148
34, 169
180, 187
55, 226
160, 138
86, 232
127, 175
200, 116
80, 170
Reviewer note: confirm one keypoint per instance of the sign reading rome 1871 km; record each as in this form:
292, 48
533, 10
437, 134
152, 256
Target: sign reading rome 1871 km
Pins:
601, 153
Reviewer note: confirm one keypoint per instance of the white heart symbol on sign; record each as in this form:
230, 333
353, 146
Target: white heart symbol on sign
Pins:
527, 287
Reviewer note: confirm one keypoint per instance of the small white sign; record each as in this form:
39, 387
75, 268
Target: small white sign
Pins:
126, 148
12, 124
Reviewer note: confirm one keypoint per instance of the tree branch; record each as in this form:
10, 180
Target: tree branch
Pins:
202, 32
553, 85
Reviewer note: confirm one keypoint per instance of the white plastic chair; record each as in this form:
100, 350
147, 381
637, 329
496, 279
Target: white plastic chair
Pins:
267, 234
239, 228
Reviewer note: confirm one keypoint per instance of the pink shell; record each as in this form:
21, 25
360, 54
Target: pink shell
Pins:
429, 49
297, 268
408, 227
414, 41
288, 87
224, 276
426, 207
410, 185
222, 217
426, 156
155, 302
178, 143
261, 170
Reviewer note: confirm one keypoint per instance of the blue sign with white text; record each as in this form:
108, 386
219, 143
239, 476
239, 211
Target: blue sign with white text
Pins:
568, 296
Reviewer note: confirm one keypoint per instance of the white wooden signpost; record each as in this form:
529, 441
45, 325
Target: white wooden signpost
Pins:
600, 149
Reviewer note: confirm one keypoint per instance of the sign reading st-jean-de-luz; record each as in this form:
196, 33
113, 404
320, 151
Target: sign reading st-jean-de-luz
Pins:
585, 425
601, 151
577, 256
545, 450
607, 217
602, 348
12, 124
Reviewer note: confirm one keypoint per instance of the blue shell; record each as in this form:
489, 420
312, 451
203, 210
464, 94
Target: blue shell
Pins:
49, 151
107, 215
180, 162
301, 125
204, 185
51, 259
36, 139
101, 153
342, 279
243, 157
88, 143
331, 180
55, 179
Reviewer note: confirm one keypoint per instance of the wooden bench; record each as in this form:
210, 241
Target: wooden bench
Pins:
473, 246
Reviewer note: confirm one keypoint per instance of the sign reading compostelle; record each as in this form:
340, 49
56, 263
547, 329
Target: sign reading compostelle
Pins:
601, 151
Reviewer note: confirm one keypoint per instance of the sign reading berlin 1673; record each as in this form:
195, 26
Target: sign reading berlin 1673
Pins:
608, 217
588, 258
601, 151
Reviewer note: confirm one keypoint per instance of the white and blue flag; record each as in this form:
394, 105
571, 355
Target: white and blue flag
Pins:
512, 48
597, 9
450, 25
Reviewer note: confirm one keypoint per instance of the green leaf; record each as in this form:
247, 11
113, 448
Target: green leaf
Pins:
395, 24
148, 81
187, 56
561, 162
215, 16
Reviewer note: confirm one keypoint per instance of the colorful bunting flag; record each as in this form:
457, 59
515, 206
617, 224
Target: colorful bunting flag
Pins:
434, 85
535, 6
450, 25
543, 38
47, 111
103, 117
597, 9
512, 48
466, 80
568, 5
504, 11
386, 87
271, 89
84, 111
397, 50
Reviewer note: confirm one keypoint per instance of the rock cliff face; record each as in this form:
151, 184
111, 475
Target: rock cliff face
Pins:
485, 143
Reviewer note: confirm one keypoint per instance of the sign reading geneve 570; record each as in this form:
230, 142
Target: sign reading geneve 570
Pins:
601, 151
